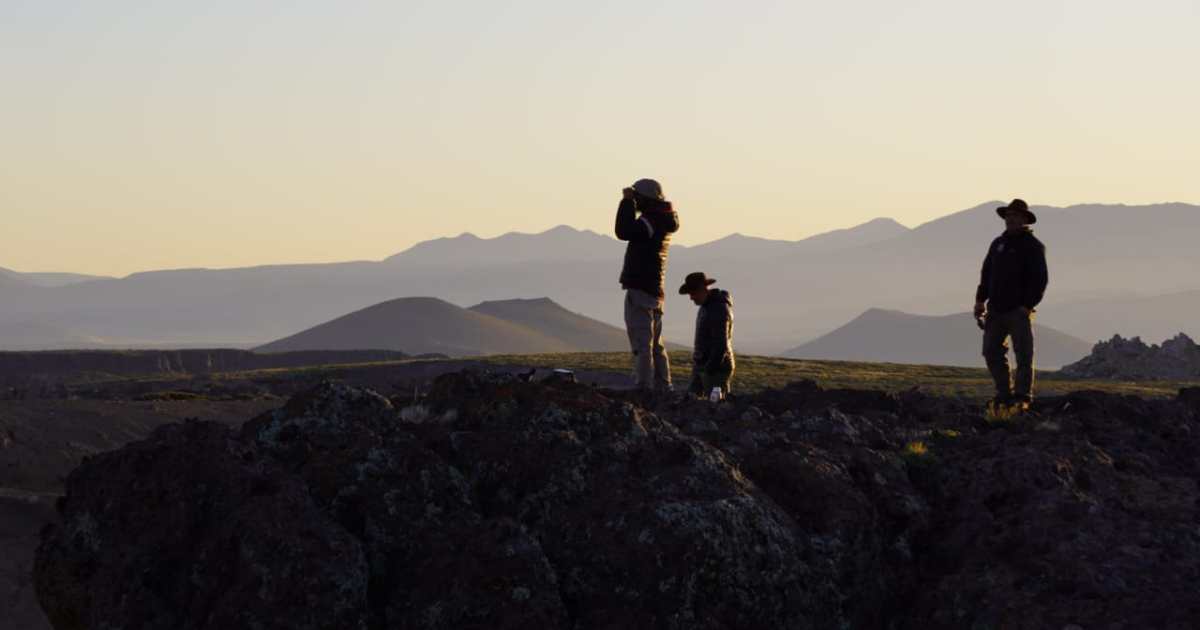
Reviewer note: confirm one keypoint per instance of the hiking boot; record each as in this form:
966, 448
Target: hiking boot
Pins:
999, 402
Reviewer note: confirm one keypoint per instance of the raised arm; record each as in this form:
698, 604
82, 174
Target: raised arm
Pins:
629, 227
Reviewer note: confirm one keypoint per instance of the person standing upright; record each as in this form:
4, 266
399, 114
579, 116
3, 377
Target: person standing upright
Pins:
1011, 285
646, 220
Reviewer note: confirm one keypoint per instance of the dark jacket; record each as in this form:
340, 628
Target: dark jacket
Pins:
1014, 272
712, 351
649, 238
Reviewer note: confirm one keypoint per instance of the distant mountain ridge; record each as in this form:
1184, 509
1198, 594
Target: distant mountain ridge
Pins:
430, 325
1148, 316
44, 279
739, 245
558, 243
880, 335
567, 243
786, 292
548, 318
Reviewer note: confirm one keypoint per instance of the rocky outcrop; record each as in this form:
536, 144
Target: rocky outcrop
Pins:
500, 503
1131, 359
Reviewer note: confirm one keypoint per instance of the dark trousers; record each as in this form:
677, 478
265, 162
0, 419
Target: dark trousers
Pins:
703, 382
998, 328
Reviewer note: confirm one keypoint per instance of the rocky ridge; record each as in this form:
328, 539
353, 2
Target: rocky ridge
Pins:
1177, 359
498, 503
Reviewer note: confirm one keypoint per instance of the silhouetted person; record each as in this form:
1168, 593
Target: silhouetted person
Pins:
646, 220
712, 351
1011, 285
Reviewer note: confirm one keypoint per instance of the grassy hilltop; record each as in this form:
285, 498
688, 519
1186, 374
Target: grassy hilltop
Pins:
755, 373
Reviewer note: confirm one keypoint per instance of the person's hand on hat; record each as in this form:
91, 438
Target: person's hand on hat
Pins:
627, 194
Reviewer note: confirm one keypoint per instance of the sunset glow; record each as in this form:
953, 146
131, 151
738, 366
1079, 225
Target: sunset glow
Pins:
161, 135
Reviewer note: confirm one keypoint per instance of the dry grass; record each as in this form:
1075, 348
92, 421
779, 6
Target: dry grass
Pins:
755, 373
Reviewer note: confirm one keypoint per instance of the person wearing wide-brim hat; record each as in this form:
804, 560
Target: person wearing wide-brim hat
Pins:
712, 352
1020, 208
1011, 285
646, 220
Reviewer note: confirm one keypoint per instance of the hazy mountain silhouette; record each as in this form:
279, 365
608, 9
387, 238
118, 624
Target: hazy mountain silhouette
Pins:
13, 279
1148, 317
739, 246
7, 281
559, 243
1092, 250
896, 337
34, 335
39, 279
870, 232
794, 293
567, 243
417, 326
548, 318
425, 325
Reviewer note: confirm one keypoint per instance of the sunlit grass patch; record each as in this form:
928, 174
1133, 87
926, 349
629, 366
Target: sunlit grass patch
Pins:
997, 412
917, 455
755, 373
948, 434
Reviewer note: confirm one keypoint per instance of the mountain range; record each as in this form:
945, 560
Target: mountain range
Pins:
8, 277
1114, 269
430, 325
891, 336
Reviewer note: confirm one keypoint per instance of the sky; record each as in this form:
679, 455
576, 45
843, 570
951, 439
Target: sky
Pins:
151, 135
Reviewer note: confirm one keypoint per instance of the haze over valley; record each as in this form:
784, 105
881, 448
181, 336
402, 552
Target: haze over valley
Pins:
1115, 269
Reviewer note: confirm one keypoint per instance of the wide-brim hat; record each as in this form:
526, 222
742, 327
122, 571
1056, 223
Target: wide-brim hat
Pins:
648, 188
1018, 205
696, 280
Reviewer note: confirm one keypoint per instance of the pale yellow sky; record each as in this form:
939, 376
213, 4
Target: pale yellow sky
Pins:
145, 135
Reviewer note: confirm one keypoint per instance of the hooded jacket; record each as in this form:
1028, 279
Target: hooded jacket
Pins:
712, 351
649, 238
1014, 272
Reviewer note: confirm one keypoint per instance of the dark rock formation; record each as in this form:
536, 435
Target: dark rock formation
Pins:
499, 503
1176, 359
22, 515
